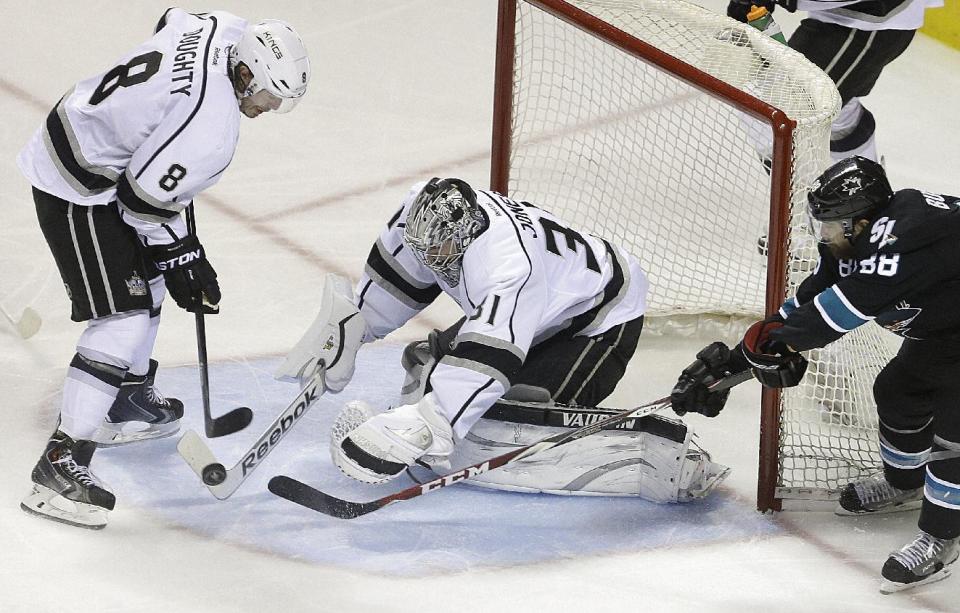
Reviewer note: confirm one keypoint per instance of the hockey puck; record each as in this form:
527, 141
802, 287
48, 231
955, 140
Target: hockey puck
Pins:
214, 474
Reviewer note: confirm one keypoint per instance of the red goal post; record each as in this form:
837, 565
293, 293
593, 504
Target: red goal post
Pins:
642, 120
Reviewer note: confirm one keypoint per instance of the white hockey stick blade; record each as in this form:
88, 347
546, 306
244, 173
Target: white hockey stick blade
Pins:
27, 325
223, 482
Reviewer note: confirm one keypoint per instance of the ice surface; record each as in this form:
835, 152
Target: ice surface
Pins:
459, 529
402, 91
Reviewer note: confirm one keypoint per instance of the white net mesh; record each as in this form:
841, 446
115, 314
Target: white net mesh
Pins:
633, 153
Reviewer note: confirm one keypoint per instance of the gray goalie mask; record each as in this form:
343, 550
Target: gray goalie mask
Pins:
442, 222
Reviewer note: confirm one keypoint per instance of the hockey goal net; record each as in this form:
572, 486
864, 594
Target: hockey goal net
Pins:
691, 139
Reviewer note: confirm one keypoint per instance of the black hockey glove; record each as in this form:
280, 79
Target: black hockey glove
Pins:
714, 362
189, 277
739, 9
773, 362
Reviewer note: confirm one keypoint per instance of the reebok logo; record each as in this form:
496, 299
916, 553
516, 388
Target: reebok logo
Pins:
270, 439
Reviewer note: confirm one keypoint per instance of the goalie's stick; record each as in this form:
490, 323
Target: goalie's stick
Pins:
304, 495
240, 417
27, 325
221, 481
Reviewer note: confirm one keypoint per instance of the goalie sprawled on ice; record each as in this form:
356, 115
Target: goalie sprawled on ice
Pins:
552, 316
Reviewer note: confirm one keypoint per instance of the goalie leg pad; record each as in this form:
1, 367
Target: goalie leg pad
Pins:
382, 446
654, 458
333, 339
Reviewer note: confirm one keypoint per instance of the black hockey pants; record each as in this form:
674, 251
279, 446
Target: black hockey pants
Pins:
918, 402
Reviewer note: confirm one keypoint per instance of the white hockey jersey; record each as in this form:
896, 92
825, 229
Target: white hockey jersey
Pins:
151, 132
527, 277
869, 15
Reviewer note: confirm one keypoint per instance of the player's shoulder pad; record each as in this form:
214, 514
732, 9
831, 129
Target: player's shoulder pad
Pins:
172, 16
918, 219
162, 22
503, 277
507, 217
499, 250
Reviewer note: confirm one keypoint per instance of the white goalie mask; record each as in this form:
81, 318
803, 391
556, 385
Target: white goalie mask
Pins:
442, 222
275, 55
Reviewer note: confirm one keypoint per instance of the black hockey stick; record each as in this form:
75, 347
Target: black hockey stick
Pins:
238, 418
228, 423
304, 495
221, 481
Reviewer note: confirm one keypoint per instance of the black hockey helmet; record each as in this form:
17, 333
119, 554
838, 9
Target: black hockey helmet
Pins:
851, 189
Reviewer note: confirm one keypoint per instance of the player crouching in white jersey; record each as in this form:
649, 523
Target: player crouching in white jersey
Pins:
552, 316
112, 167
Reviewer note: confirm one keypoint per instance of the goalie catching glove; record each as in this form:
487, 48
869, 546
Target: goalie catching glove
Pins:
376, 448
771, 362
332, 340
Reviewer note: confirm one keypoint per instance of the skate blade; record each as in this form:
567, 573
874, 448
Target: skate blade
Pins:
911, 505
891, 587
47, 504
109, 435
713, 476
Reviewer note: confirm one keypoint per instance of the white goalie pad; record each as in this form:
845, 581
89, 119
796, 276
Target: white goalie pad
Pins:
334, 337
608, 463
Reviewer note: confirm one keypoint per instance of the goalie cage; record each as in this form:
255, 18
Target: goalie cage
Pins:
686, 136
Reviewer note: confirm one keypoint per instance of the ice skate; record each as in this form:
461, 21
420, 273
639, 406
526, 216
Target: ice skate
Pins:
924, 560
875, 495
64, 489
140, 412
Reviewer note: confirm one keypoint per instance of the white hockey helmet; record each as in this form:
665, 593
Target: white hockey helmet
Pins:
275, 55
